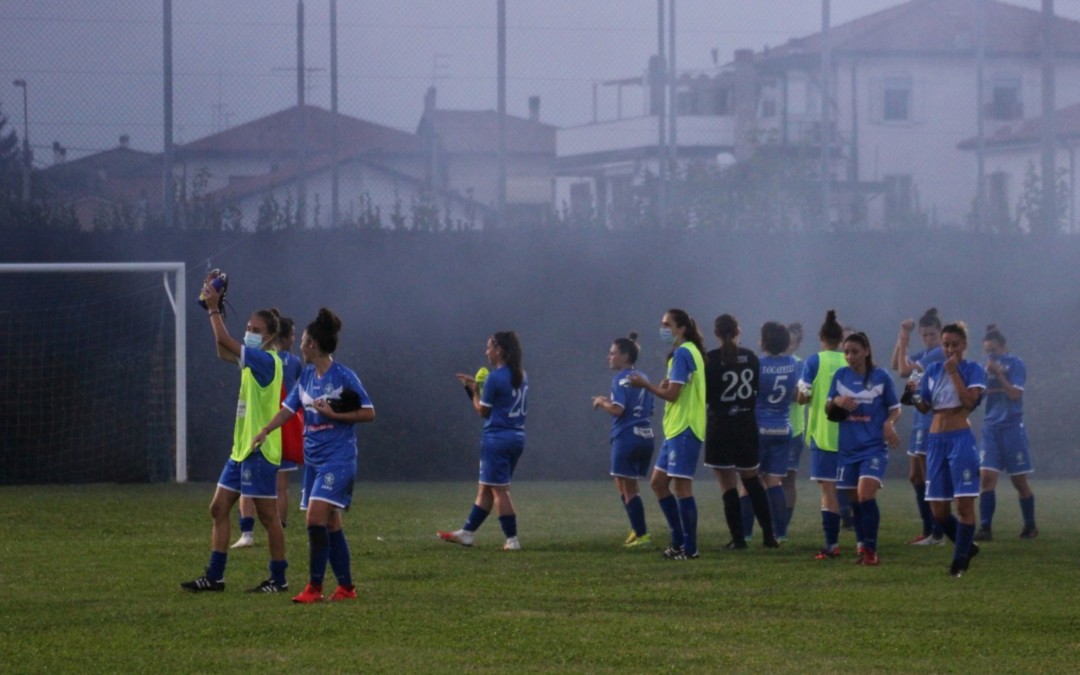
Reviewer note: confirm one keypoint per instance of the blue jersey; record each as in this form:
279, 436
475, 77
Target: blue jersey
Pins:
291, 367
862, 432
326, 440
636, 404
999, 409
260, 362
507, 404
923, 359
776, 391
937, 386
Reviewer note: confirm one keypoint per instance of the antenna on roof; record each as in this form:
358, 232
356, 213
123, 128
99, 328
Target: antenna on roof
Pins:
440, 67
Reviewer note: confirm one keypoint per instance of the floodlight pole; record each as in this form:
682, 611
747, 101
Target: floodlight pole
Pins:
27, 157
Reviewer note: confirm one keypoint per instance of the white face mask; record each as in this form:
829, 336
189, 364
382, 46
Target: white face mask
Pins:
252, 340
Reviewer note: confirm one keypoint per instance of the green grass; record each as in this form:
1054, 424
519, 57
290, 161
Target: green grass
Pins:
88, 583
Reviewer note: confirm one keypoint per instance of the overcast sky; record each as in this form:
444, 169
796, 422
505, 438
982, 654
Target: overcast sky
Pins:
94, 66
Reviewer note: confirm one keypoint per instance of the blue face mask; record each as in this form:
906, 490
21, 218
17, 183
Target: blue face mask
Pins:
666, 336
252, 340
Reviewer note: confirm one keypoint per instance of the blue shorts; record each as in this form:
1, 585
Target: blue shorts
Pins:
773, 453
330, 483
679, 455
952, 466
1006, 448
286, 465
823, 467
870, 467
795, 448
631, 453
254, 477
498, 457
917, 444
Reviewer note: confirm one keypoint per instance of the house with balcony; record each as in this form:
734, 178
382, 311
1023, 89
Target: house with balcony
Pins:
903, 93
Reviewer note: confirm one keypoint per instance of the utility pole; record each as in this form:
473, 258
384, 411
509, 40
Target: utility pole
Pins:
673, 110
501, 47
301, 135
980, 115
168, 189
826, 122
1049, 123
661, 151
335, 176
27, 157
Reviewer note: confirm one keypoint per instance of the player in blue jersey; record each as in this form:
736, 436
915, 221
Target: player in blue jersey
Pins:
914, 366
290, 370
631, 434
952, 389
333, 401
1005, 442
822, 434
798, 429
731, 436
683, 392
863, 399
250, 473
502, 402
779, 373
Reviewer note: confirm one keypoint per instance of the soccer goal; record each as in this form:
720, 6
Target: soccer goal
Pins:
93, 383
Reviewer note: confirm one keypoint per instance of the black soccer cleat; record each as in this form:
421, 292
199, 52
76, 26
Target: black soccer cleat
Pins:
984, 534
672, 552
202, 584
270, 586
736, 545
1029, 532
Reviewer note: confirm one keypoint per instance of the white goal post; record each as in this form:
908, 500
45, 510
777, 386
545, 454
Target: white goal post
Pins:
177, 300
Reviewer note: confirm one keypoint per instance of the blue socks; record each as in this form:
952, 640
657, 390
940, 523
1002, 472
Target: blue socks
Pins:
830, 525
670, 508
964, 536
509, 525
247, 524
746, 508
475, 519
929, 525
948, 527
318, 553
987, 506
635, 510
277, 571
871, 521
340, 559
1027, 509
778, 510
216, 570
688, 513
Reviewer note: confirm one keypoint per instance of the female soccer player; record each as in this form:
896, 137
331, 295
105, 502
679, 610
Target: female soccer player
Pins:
1005, 443
502, 402
731, 436
905, 366
779, 372
864, 397
683, 392
631, 434
333, 401
250, 471
292, 438
798, 428
823, 434
952, 389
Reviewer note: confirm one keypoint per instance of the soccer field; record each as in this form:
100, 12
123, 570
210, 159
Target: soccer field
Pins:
89, 583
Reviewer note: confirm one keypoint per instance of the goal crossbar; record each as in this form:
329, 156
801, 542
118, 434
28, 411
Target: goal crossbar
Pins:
178, 302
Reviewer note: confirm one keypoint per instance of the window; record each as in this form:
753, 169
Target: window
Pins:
896, 105
1005, 103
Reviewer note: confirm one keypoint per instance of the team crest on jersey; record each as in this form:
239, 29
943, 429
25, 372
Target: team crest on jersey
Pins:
875, 462
671, 456
328, 480
967, 475
246, 475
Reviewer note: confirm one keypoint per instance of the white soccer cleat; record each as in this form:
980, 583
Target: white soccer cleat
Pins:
512, 544
246, 540
463, 537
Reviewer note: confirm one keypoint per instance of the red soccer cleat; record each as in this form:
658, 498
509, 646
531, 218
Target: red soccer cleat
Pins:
828, 553
343, 593
310, 595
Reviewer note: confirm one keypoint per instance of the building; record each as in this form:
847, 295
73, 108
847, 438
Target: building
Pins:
904, 93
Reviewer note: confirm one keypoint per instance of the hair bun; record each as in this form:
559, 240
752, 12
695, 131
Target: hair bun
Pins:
991, 327
632, 335
830, 316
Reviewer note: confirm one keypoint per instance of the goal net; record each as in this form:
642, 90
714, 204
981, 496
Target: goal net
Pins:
92, 384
